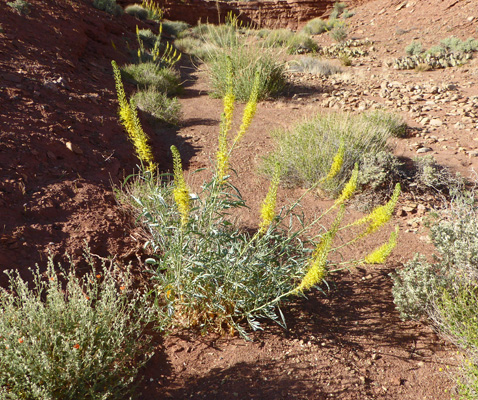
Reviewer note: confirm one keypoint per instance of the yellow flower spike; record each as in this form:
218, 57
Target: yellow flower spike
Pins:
317, 264
181, 191
380, 254
250, 109
222, 155
349, 188
140, 141
269, 203
129, 119
380, 215
337, 162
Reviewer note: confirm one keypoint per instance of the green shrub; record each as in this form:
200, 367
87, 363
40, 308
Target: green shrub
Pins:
158, 105
394, 123
345, 59
148, 36
316, 26
337, 10
136, 10
293, 42
446, 290
150, 75
379, 172
109, 6
63, 337
20, 6
305, 151
315, 66
211, 274
431, 175
469, 45
451, 43
339, 32
174, 28
414, 48
195, 47
246, 60
457, 318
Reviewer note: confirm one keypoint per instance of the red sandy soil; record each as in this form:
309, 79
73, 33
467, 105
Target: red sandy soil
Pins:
62, 150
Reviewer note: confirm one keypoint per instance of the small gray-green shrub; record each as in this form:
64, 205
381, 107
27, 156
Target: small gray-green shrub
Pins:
430, 175
339, 32
158, 105
337, 10
195, 47
136, 10
445, 290
69, 338
148, 36
174, 28
150, 75
306, 150
379, 172
414, 48
20, 6
293, 42
393, 122
315, 66
317, 26
109, 6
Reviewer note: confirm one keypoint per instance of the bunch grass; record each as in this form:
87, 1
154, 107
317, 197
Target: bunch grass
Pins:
318, 140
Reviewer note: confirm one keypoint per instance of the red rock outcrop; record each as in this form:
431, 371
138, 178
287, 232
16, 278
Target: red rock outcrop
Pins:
290, 14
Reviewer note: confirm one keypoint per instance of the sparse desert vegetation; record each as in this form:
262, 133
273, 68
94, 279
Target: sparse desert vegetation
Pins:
198, 210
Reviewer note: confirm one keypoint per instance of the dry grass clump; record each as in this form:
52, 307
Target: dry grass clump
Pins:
136, 10
312, 65
306, 150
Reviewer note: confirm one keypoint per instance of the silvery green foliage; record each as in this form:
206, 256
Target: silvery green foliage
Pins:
109, 6
421, 283
63, 337
415, 287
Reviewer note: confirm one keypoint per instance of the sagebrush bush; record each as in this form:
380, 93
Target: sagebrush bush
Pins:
158, 105
22, 7
109, 6
394, 123
339, 32
136, 10
379, 171
431, 175
195, 47
150, 75
317, 26
312, 65
414, 48
305, 151
63, 337
445, 290
174, 28
291, 41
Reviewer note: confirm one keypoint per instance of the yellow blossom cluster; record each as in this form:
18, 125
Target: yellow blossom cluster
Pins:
129, 118
269, 203
380, 254
180, 191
